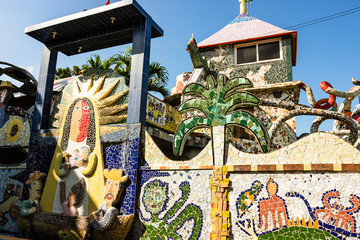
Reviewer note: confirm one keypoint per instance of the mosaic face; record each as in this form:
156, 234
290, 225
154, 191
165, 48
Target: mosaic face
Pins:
80, 121
36, 190
112, 191
155, 196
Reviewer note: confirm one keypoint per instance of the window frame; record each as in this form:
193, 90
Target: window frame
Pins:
257, 51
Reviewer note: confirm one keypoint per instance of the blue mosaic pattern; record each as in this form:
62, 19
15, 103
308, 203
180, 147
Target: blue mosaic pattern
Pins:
243, 18
121, 131
39, 158
147, 175
125, 156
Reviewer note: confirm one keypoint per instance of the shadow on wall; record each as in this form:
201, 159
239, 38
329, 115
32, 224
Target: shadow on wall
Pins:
188, 153
12, 156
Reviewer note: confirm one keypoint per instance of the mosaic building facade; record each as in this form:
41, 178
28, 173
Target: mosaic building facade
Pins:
222, 162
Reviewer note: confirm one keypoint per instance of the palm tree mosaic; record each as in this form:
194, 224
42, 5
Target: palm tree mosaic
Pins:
220, 102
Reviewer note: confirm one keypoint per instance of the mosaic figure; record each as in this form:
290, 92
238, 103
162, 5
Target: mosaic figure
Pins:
74, 198
72, 166
35, 185
78, 154
29, 207
338, 213
113, 188
155, 196
334, 216
246, 199
273, 205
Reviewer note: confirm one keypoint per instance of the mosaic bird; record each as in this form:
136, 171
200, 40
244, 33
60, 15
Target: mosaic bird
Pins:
247, 198
197, 60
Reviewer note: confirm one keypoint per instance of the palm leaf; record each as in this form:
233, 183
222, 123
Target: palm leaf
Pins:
211, 81
194, 89
236, 84
159, 88
184, 129
244, 119
242, 99
195, 104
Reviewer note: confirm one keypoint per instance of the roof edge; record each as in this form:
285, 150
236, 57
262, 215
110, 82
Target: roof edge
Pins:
293, 35
248, 39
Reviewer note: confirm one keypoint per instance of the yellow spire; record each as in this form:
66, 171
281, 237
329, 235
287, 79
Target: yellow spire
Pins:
243, 7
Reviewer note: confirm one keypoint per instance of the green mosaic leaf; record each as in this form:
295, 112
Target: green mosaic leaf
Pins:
221, 98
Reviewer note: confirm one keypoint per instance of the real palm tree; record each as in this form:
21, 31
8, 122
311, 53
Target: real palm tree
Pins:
158, 74
63, 73
95, 62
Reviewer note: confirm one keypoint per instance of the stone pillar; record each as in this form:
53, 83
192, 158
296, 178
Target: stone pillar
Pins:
139, 72
45, 88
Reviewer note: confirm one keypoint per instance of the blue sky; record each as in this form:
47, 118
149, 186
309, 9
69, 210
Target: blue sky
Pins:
328, 51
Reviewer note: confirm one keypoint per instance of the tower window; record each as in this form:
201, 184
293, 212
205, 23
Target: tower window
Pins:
258, 52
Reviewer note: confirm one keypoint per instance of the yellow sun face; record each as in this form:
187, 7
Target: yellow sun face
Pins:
13, 131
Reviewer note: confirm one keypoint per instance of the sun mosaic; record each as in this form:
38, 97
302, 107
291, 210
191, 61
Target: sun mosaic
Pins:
86, 104
16, 132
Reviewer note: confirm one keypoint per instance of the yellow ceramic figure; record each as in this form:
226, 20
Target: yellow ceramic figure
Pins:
78, 154
79, 134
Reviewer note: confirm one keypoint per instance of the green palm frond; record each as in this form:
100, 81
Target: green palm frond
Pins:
235, 84
240, 100
194, 104
184, 129
217, 101
158, 74
248, 121
194, 89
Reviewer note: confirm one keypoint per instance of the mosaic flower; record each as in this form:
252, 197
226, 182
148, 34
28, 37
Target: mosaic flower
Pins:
13, 131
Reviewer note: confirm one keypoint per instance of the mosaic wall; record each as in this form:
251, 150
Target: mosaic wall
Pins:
10, 191
162, 115
297, 192
221, 59
292, 190
315, 205
171, 207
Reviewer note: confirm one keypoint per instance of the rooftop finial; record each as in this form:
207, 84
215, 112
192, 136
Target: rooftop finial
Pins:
244, 6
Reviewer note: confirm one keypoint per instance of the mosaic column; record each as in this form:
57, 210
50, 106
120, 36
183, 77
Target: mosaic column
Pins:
220, 215
218, 140
139, 72
45, 88
138, 97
